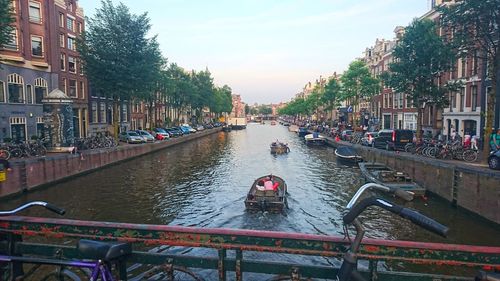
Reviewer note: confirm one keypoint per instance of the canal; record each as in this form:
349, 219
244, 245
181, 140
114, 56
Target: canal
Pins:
203, 183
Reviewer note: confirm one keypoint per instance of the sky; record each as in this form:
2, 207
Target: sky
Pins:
267, 50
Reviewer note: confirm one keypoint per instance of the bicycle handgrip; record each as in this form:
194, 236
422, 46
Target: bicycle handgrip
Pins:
55, 209
424, 221
354, 212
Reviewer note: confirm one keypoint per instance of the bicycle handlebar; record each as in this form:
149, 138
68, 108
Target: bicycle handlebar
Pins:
46, 205
412, 215
406, 195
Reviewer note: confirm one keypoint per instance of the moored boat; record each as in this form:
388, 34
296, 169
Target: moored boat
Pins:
271, 199
302, 132
279, 148
381, 174
273, 122
315, 139
347, 156
226, 129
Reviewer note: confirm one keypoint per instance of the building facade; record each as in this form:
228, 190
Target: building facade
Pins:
32, 66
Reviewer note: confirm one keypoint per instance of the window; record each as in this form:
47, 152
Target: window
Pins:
462, 96
2, 91
12, 43
63, 62
474, 63
61, 40
18, 128
40, 90
124, 112
16, 85
102, 111
94, 112
463, 67
64, 86
71, 64
35, 14
37, 46
29, 94
400, 100
81, 90
40, 127
72, 88
70, 24
80, 27
61, 20
473, 90
453, 101
71, 43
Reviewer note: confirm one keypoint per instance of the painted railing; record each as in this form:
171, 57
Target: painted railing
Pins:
153, 246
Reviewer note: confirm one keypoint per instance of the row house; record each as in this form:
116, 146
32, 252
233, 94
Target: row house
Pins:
40, 58
101, 115
238, 107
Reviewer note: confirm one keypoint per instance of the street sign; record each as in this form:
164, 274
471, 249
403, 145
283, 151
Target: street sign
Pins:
349, 109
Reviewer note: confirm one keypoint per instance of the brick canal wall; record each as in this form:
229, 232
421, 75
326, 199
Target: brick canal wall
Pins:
28, 174
475, 189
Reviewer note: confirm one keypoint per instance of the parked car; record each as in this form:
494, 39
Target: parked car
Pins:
189, 128
368, 137
200, 128
399, 139
130, 137
184, 130
161, 132
346, 135
174, 132
145, 135
380, 141
494, 160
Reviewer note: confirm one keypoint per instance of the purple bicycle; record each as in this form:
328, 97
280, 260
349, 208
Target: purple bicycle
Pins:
100, 255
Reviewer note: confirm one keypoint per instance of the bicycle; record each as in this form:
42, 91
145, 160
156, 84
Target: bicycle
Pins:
348, 270
101, 255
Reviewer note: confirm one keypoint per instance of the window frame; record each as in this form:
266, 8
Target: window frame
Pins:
75, 88
20, 85
70, 58
41, 44
38, 5
3, 92
63, 62
71, 43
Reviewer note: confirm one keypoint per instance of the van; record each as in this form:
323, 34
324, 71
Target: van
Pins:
393, 139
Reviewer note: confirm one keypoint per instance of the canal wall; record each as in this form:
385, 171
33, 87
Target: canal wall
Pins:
471, 187
28, 174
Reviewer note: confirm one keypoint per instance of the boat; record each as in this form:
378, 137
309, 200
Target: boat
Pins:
279, 148
226, 128
286, 124
315, 139
267, 200
381, 174
302, 132
273, 122
347, 156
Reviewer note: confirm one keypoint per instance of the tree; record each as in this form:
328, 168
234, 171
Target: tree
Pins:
331, 94
358, 83
420, 58
474, 26
6, 21
118, 59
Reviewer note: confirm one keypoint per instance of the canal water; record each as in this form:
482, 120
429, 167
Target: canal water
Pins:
203, 183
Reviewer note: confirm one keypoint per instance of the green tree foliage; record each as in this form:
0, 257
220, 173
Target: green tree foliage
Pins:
118, 59
420, 58
473, 26
6, 20
331, 94
223, 101
357, 82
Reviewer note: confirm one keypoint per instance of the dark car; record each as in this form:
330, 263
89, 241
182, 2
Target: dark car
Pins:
494, 160
383, 136
346, 135
393, 139
174, 132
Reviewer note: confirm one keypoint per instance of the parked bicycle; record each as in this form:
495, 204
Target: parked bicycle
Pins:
101, 256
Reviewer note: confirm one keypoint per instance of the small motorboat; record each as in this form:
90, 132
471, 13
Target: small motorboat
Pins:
347, 156
315, 139
302, 132
271, 200
226, 128
381, 174
279, 148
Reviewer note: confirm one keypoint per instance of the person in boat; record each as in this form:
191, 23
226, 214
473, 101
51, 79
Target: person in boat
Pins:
260, 185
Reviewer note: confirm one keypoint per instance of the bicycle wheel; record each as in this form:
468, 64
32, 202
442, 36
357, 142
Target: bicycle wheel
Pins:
470, 155
16, 153
62, 275
4, 154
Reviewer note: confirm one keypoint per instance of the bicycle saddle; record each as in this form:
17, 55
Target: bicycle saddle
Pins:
100, 250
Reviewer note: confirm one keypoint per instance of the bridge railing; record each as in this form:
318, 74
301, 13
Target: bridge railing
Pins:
166, 249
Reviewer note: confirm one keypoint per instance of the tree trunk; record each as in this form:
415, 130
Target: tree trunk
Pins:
419, 122
116, 117
490, 107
